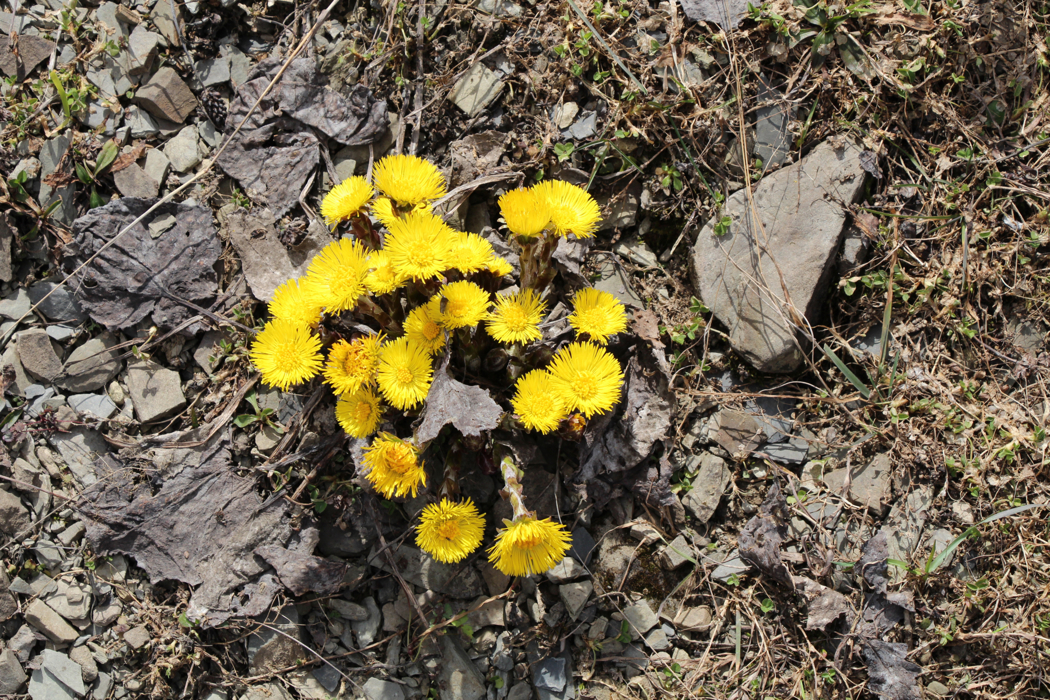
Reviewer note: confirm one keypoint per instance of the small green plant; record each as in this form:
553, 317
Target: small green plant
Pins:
670, 177
625, 632
89, 174
767, 606
721, 227
261, 415
563, 151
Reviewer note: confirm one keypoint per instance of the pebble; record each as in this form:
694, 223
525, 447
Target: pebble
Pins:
89, 367
183, 151
166, 96
375, 689
155, 391
476, 90
133, 181
137, 637
575, 597
37, 355
641, 617
97, 405
42, 617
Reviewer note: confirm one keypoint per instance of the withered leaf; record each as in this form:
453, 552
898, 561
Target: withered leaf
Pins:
890, 675
139, 276
470, 409
646, 326
824, 604
869, 161
725, 13
127, 159
759, 542
302, 573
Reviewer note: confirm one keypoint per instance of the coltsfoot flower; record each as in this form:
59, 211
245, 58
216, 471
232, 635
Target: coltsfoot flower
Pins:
499, 267
466, 305
469, 252
418, 245
336, 277
346, 199
408, 180
404, 373
516, 317
524, 212
449, 531
529, 546
572, 209
383, 278
286, 354
394, 466
587, 378
539, 406
291, 302
597, 315
387, 211
423, 326
359, 412
353, 364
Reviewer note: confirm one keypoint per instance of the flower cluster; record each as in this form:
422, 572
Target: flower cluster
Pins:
379, 308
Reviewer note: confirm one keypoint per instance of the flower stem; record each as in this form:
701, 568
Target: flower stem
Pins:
512, 487
450, 481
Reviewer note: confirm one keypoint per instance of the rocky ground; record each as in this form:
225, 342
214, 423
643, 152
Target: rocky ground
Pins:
831, 223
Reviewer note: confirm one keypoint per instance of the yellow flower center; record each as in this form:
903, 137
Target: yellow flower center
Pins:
287, 358
404, 375
400, 459
592, 318
354, 362
343, 283
449, 530
584, 386
515, 318
528, 541
420, 252
430, 330
455, 308
362, 412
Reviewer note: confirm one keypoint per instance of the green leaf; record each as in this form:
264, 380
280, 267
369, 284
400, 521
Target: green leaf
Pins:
106, 156
244, 420
939, 559
96, 199
853, 379
854, 58
83, 174
563, 151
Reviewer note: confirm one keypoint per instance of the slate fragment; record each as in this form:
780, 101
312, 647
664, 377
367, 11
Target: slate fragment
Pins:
725, 13
32, 50
302, 573
890, 675
470, 409
277, 145
139, 276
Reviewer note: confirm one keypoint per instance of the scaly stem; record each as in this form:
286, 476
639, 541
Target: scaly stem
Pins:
450, 481
512, 487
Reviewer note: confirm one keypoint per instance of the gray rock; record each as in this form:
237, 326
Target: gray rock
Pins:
183, 151
10, 359
70, 600
802, 220
110, 76
550, 676
133, 181
49, 622
637, 252
166, 96
613, 279
732, 566
79, 447
142, 49
266, 262
212, 71
107, 15
44, 686
98, 113
72, 533
937, 688
37, 355
137, 637
708, 486
98, 405
64, 670
792, 452
856, 247
772, 139
60, 334
870, 485
693, 619
208, 134
209, 350
103, 686
142, 125
157, 164
90, 366
500, 8
458, 673
269, 649
677, 552
344, 163
61, 305
568, 569
583, 128
240, 66
266, 691
619, 210
1029, 336
352, 612
375, 689
575, 596
16, 306
641, 617
367, 629
48, 555
582, 545
14, 516
521, 691
155, 391
938, 542
164, 21
51, 154
162, 223
488, 614
657, 640
22, 643
478, 87
12, 677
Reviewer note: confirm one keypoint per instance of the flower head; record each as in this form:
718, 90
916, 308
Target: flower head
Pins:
529, 546
466, 305
587, 378
499, 267
537, 403
597, 314
336, 277
291, 302
524, 212
516, 317
450, 531
286, 353
383, 278
395, 469
408, 180
359, 412
352, 365
469, 252
346, 199
418, 245
387, 210
404, 373
572, 209
423, 326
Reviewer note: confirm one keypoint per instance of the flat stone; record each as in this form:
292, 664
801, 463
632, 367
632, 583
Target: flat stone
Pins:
49, 622
500, 8
792, 452
568, 569
90, 366
870, 485
619, 210
164, 21
693, 619
110, 75
12, 677
637, 252
657, 640
347, 610
48, 555
208, 134
708, 486
157, 165
564, 115
72, 533
367, 629
582, 545
51, 154
156, 392
132, 181
208, 352
137, 637
612, 279
32, 51
44, 686
142, 125
14, 516
641, 617
803, 224
488, 614
937, 688
16, 306
162, 223
280, 646
107, 15
142, 49
98, 115
732, 566
106, 615
69, 600
22, 643
83, 657
97, 405
375, 689
583, 128
64, 670
772, 139
677, 552
575, 596
737, 432
61, 305
183, 151
37, 355
212, 71
266, 262
478, 87
458, 674
240, 66
166, 96
60, 334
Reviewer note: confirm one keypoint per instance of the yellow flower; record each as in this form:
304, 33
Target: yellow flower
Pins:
346, 199
352, 365
524, 212
516, 317
529, 546
336, 277
597, 314
572, 209
499, 267
587, 378
469, 252
422, 326
450, 531
404, 373
395, 469
359, 413
466, 305
382, 278
387, 211
292, 303
408, 180
536, 402
418, 245
286, 353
